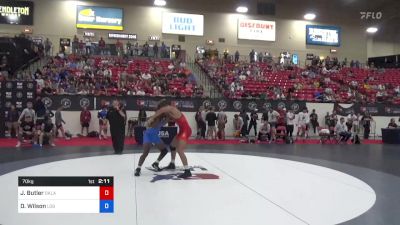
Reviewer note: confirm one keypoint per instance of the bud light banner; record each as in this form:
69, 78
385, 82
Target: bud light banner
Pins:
94, 17
182, 23
16, 12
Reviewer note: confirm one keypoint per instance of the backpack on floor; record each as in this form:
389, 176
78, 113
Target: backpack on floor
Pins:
93, 134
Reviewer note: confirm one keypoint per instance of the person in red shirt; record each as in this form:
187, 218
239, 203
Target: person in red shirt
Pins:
86, 116
102, 46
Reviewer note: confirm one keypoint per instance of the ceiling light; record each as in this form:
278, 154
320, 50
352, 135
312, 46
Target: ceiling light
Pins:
372, 30
242, 9
309, 16
160, 2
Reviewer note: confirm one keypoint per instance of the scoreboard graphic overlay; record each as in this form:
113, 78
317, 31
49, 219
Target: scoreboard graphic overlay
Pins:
65, 195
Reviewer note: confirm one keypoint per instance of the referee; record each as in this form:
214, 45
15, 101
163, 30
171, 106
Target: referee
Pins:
117, 118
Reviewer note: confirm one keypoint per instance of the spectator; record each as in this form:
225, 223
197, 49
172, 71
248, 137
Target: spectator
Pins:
211, 118
103, 122
252, 55
273, 117
237, 125
102, 46
129, 50
264, 116
342, 130
75, 45
85, 119
26, 130
164, 50
237, 54
145, 50
351, 118
302, 123
136, 49
155, 50
27, 112
314, 121
81, 47
88, 46
201, 123
142, 116
47, 131
221, 122
120, 47
12, 117
245, 119
59, 121
290, 122
265, 132
366, 121
253, 122
392, 123
47, 46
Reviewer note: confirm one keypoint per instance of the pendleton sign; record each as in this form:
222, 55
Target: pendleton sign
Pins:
16, 12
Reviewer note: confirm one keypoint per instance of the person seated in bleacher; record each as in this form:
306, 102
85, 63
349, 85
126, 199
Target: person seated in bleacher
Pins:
392, 123
26, 131
47, 131
342, 131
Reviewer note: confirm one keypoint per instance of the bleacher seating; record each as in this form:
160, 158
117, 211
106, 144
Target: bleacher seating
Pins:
313, 84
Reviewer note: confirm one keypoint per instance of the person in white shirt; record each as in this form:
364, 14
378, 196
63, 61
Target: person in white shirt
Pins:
140, 92
265, 131
232, 86
237, 125
351, 120
341, 130
156, 90
88, 46
27, 112
290, 122
302, 122
171, 66
273, 117
146, 76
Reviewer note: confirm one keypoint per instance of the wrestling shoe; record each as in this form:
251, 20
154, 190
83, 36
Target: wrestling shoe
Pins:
185, 174
171, 166
137, 172
156, 166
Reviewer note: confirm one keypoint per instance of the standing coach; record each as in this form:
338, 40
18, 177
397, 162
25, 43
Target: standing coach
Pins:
117, 118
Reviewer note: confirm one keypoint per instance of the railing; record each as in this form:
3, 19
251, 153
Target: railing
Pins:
209, 86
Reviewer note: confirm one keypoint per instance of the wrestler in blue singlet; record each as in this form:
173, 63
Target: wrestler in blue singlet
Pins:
150, 135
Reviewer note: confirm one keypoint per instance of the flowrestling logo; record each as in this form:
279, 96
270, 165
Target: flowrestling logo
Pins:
47, 102
84, 102
93, 17
371, 15
198, 173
